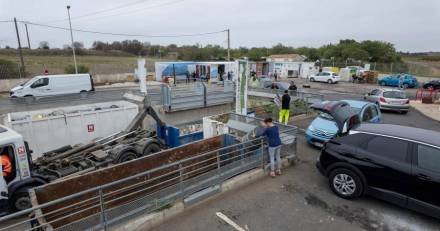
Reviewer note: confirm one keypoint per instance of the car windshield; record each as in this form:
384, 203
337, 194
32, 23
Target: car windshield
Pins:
326, 116
26, 83
394, 95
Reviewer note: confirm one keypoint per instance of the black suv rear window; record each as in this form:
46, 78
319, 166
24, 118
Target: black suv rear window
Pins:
355, 139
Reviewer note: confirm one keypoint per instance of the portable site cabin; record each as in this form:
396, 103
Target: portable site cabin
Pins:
202, 70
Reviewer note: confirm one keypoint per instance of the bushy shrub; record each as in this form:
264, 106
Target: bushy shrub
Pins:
82, 69
9, 69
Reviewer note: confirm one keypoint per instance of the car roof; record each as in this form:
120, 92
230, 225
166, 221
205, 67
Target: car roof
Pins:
404, 132
59, 76
356, 103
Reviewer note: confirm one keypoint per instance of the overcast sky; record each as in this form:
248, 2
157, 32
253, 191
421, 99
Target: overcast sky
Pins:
412, 25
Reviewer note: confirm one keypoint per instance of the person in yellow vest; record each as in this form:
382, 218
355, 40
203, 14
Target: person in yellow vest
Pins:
285, 108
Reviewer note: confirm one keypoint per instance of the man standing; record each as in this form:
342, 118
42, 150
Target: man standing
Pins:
285, 108
273, 136
6, 164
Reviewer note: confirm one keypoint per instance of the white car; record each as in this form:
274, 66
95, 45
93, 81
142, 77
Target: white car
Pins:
325, 76
48, 85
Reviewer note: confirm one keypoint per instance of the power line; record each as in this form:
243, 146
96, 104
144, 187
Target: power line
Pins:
100, 11
137, 10
122, 34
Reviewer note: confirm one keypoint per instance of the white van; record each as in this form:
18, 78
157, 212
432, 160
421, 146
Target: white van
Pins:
48, 85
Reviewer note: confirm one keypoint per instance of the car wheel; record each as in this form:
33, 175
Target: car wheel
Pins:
405, 86
404, 112
29, 98
312, 79
330, 81
345, 183
382, 83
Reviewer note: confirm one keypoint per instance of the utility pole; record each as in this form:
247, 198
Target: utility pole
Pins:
71, 37
229, 45
19, 47
27, 34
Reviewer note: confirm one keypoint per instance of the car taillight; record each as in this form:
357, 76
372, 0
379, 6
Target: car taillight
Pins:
382, 99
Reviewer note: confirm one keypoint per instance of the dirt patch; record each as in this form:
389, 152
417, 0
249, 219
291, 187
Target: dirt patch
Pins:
359, 216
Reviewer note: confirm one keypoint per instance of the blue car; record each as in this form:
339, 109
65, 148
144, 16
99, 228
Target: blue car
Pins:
393, 81
333, 115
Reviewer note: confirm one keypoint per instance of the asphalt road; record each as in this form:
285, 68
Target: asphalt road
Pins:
100, 95
300, 199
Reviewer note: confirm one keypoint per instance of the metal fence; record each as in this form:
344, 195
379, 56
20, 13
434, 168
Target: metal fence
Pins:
196, 95
188, 181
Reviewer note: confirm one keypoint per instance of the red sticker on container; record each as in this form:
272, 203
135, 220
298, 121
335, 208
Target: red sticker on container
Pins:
90, 127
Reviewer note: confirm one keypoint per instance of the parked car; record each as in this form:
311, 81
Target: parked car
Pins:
49, 85
325, 126
434, 84
276, 85
389, 99
394, 163
393, 81
325, 76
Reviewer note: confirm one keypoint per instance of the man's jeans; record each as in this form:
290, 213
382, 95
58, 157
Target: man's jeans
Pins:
275, 155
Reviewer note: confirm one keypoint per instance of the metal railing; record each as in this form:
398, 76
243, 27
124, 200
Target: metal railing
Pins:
106, 205
298, 94
195, 95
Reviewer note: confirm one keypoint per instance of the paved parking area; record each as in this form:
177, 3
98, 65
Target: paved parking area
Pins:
300, 199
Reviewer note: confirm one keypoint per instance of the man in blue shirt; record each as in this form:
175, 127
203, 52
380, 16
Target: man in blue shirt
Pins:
272, 133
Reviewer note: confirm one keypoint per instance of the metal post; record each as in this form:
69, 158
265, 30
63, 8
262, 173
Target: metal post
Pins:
22, 69
182, 190
101, 203
262, 154
219, 173
71, 37
229, 45
174, 75
27, 35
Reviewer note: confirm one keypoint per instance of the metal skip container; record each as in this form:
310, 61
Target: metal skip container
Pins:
49, 129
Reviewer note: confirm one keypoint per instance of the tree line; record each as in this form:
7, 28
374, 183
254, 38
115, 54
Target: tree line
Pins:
347, 50
351, 50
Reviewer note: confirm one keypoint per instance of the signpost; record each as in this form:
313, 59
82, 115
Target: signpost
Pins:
242, 70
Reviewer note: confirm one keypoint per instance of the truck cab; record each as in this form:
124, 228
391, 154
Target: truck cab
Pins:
20, 179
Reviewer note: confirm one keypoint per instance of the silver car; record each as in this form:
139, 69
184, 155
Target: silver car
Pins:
389, 99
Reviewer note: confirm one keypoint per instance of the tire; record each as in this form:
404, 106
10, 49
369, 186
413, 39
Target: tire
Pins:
382, 83
127, 156
329, 81
21, 200
29, 98
312, 79
404, 112
150, 149
345, 183
405, 86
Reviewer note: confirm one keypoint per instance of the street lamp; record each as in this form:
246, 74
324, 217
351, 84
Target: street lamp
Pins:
71, 37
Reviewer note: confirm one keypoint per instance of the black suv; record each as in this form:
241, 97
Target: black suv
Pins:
395, 163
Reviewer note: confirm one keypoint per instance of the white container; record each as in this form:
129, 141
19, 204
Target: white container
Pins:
53, 128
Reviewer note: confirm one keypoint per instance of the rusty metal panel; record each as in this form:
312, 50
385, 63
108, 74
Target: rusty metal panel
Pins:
66, 187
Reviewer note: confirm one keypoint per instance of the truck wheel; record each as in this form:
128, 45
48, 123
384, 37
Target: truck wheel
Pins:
127, 156
312, 79
150, 149
21, 200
